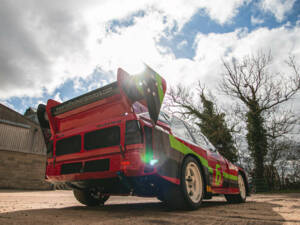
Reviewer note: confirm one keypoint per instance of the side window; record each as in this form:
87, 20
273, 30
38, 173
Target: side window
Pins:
164, 117
210, 145
201, 139
180, 130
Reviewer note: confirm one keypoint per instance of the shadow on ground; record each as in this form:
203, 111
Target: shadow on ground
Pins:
211, 212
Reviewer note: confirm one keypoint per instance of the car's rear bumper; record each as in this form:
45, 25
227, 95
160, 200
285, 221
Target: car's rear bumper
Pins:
128, 164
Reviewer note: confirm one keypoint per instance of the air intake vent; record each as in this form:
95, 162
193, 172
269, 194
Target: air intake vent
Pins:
71, 168
68, 145
97, 165
102, 138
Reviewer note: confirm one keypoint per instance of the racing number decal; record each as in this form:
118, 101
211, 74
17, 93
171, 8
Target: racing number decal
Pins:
218, 176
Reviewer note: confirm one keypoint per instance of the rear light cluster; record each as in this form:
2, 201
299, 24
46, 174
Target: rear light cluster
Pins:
134, 133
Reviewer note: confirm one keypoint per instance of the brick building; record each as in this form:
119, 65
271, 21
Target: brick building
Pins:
22, 152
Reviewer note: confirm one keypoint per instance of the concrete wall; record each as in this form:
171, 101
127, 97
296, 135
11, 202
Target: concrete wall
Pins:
20, 170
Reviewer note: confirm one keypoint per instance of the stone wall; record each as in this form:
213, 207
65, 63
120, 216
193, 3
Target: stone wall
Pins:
20, 170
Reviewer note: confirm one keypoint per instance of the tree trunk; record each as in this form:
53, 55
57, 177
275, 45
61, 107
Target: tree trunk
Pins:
257, 142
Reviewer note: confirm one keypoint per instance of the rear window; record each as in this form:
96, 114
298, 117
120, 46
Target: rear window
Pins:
102, 138
68, 145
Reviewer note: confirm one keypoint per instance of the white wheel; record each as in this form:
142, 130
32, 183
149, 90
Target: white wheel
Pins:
190, 192
193, 182
241, 197
242, 187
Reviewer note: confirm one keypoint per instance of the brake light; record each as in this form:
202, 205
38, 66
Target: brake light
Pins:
125, 163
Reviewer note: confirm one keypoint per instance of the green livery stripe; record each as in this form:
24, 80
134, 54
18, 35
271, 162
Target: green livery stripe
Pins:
159, 88
230, 176
179, 146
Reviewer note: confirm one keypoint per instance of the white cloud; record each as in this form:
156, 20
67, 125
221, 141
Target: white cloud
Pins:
298, 20
255, 21
42, 44
57, 97
77, 84
183, 71
211, 48
96, 85
130, 46
182, 44
279, 8
222, 11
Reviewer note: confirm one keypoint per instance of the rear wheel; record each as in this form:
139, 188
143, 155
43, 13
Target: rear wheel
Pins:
241, 197
190, 193
90, 198
160, 197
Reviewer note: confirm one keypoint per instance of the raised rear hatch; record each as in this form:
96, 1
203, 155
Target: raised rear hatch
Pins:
111, 101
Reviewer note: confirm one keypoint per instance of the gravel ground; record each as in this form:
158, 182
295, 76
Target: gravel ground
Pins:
60, 207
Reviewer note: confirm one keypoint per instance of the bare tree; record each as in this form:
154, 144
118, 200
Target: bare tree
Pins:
250, 81
279, 123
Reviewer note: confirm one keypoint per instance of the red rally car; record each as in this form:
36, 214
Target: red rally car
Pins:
115, 140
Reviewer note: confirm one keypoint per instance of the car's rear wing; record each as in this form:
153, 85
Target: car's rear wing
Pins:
106, 102
86, 99
147, 87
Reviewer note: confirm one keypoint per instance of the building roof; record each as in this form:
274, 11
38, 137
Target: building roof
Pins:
9, 114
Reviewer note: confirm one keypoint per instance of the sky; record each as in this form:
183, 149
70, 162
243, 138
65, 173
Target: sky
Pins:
62, 49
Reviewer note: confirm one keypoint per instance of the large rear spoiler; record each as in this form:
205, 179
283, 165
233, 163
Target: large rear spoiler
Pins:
148, 88
88, 98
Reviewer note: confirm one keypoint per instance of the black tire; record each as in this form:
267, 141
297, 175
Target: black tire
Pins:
86, 197
182, 197
160, 197
241, 197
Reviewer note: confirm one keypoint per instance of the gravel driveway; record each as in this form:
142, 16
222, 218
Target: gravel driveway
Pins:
60, 207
